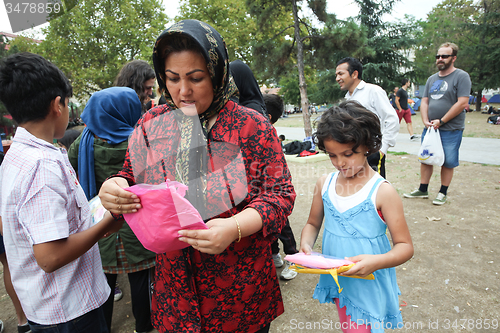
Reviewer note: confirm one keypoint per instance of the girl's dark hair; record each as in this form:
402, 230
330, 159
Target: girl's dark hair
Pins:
133, 75
28, 84
349, 122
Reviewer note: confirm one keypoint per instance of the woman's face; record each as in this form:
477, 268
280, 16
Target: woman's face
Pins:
188, 81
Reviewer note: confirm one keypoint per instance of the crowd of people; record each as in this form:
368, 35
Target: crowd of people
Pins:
213, 132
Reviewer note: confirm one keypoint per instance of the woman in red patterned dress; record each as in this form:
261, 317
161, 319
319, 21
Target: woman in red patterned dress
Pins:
232, 161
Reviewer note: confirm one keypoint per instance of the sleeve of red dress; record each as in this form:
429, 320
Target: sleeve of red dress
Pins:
269, 179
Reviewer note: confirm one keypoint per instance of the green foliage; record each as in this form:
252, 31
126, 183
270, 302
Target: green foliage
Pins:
230, 18
445, 23
6, 49
475, 27
290, 87
92, 41
25, 44
327, 89
390, 42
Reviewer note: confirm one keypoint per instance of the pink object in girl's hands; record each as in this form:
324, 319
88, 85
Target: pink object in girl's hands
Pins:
164, 212
317, 260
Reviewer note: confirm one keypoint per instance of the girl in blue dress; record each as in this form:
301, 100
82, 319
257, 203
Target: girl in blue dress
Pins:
358, 206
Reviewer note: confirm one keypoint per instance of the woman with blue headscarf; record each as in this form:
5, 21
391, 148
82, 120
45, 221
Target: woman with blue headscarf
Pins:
110, 116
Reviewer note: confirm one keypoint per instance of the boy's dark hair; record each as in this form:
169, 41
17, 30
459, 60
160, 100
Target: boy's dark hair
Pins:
403, 82
349, 122
353, 64
28, 84
274, 106
133, 75
282, 137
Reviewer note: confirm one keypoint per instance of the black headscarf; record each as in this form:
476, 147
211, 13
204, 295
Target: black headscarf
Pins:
213, 48
250, 94
192, 156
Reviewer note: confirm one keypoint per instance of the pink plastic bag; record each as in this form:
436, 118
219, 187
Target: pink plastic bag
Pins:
164, 212
317, 260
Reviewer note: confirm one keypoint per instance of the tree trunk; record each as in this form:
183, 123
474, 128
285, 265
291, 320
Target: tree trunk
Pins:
479, 97
302, 80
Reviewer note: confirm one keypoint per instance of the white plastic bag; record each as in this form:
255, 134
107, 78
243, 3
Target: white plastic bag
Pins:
431, 150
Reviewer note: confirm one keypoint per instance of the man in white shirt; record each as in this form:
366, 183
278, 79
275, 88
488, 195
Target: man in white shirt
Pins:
349, 76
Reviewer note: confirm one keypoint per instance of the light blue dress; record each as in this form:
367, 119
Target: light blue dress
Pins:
360, 230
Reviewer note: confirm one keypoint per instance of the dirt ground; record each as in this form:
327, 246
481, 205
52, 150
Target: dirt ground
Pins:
450, 285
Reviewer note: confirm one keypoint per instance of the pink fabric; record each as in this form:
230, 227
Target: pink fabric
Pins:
164, 212
347, 325
316, 260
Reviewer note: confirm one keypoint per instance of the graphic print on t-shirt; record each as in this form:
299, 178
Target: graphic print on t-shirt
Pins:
438, 89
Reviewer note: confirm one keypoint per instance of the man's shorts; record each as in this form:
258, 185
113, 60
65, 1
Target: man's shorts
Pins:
451, 141
2, 248
404, 114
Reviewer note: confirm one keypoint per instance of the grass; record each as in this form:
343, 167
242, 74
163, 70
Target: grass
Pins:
475, 124
397, 153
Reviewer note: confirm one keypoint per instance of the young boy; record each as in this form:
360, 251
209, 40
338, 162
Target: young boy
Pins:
50, 244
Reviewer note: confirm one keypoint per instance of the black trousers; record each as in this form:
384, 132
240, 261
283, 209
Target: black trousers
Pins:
288, 240
141, 299
377, 162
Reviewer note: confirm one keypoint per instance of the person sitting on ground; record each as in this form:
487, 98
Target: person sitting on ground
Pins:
50, 243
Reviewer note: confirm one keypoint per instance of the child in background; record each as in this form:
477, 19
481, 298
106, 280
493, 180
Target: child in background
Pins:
358, 206
50, 245
274, 106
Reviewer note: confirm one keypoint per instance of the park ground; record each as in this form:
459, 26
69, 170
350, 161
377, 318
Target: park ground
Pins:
452, 282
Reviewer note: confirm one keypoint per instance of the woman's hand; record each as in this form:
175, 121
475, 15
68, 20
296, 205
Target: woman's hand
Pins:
115, 199
365, 265
221, 233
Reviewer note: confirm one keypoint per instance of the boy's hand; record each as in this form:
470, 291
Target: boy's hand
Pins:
115, 226
112, 225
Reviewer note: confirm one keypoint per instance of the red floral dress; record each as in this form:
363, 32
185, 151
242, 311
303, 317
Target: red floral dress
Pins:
237, 290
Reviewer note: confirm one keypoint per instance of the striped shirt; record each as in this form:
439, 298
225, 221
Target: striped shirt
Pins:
41, 201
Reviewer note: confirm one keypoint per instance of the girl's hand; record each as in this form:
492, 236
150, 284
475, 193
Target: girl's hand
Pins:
365, 265
115, 199
221, 233
305, 248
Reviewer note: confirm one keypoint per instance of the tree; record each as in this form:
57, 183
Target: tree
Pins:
230, 18
300, 42
390, 42
5, 50
92, 41
475, 28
